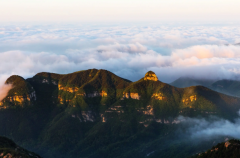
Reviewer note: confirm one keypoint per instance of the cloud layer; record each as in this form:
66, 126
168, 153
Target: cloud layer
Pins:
213, 127
129, 51
4, 89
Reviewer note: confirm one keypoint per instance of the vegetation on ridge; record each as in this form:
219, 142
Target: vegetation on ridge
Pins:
94, 113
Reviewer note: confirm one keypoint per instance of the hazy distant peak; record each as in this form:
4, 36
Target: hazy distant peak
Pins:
183, 82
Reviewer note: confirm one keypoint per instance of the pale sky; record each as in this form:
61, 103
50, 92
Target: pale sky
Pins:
119, 10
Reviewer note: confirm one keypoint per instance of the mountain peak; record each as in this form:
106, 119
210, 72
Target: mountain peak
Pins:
150, 76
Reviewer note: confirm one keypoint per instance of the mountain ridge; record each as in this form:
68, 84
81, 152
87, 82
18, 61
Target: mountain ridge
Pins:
74, 114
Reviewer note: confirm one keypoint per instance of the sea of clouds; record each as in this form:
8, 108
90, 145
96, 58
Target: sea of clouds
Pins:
171, 51
205, 52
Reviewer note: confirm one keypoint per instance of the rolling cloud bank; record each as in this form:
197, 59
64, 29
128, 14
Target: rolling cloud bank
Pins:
213, 127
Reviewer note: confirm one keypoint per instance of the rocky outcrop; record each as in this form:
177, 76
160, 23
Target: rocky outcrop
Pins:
150, 76
158, 96
103, 118
87, 116
47, 81
61, 100
97, 94
80, 94
131, 95
33, 96
227, 144
68, 89
148, 111
187, 100
89, 95
19, 99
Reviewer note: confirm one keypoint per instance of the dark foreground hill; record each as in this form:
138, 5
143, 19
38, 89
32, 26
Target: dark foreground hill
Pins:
8, 149
95, 113
229, 149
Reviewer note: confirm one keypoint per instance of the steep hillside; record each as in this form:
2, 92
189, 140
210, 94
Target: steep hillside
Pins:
94, 113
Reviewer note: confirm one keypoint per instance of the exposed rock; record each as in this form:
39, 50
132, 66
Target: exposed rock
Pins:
33, 96
20, 99
150, 76
148, 111
54, 82
81, 94
103, 118
189, 99
45, 81
87, 116
158, 96
61, 100
227, 144
97, 94
131, 95
117, 109
68, 89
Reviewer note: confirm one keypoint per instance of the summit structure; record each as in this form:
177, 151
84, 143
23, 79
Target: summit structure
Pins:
150, 76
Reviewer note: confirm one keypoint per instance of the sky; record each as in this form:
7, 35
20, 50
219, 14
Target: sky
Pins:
129, 37
119, 10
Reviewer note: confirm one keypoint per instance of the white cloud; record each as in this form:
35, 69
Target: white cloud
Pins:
4, 88
213, 127
207, 61
128, 51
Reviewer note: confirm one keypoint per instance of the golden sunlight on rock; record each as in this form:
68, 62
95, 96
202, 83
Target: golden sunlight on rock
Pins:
150, 76
158, 96
97, 94
60, 99
68, 89
227, 144
131, 95
103, 94
190, 99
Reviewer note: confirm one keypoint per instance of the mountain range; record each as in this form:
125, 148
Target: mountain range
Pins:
95, 113
229, 87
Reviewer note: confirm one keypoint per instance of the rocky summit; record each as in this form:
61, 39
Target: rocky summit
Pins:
150, 76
